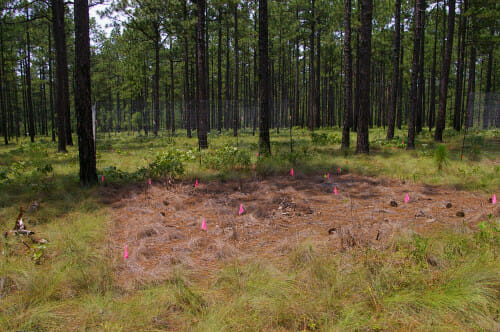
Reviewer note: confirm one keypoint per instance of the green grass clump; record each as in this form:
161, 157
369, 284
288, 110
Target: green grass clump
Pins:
444, 281
441, 156
452, 282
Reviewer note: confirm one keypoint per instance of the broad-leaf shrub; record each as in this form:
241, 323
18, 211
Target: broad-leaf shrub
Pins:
167, 164
226, 158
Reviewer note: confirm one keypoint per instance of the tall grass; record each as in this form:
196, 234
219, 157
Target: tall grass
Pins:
394, 288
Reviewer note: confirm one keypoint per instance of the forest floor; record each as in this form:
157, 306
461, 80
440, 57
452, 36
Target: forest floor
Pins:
299, 257
161, 225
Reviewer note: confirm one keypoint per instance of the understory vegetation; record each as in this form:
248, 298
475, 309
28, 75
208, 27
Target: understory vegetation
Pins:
448, 280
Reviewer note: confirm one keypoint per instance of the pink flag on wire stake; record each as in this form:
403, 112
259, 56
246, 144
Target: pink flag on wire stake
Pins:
407, 198
204, 225
291, 172
149, 181
335, 191
196, 183
125, 253
241, 210
102, 178
494, 199
338, 170
328, 176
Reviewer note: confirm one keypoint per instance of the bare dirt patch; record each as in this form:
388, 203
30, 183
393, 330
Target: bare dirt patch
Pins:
162, 226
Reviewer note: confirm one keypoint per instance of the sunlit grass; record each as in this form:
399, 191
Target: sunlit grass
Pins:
390, 289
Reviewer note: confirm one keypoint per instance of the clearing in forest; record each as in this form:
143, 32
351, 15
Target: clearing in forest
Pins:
161, 225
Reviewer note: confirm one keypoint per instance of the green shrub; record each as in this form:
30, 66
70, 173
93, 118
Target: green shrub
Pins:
319, 139
167, 164
324, 139
226, 158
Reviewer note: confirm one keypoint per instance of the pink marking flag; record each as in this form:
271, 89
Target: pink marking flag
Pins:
149, 181
338, 170
102, 178
494, 199
328, 176
125, 253
204, 225
335, 191
196, 183
240, 212
291, 172
407, 198
123, 164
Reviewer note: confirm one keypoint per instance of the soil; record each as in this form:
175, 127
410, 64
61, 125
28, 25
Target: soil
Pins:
161, 225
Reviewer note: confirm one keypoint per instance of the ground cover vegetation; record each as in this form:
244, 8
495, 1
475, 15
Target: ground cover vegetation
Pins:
120, 140
444, 278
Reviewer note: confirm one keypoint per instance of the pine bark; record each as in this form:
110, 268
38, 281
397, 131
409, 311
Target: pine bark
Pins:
236, 106
61, 100
460, 68
415, 70
348, 76
29, 100
201, 75
2, 93
156, 83
364, 76
391, 117
86, 146
264, 143
312, 81
444, 77
219, 74
421, 79
432, 108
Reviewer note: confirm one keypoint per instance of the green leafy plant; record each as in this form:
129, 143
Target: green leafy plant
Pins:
167, 164
226, 158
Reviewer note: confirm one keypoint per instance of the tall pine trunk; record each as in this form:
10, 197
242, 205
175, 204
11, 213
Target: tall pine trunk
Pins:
312, 81
27, 68
348, 76
432, 108
236, 106
364, 76
415, 70
445, 72
421, 80
86, 147
201, 73
156, 83
391, 118
460, 67
219, 73
187, 90
2, 94
264, 144
61, 71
